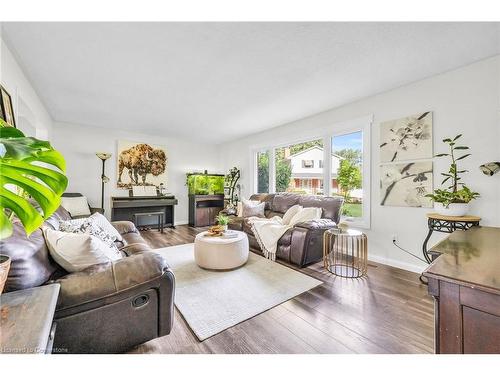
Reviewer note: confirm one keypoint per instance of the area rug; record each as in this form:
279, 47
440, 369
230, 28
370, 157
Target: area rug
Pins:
212, 301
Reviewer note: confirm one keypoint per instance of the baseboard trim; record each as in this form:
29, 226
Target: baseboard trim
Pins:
397, 264
181, 222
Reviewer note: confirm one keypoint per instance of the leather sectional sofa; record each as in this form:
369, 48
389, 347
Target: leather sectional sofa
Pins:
107, 308
302, 244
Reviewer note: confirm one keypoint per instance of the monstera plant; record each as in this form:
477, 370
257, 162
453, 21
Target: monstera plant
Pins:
30, 169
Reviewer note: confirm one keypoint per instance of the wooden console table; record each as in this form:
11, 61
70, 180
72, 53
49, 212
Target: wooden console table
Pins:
446, 224
465, 283
26, 320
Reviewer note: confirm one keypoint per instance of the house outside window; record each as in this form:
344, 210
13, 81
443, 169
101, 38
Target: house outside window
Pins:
297, 168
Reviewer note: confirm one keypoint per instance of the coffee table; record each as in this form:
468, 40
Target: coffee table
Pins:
221, 253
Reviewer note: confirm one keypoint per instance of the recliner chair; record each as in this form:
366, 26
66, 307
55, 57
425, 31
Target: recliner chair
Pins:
107, 308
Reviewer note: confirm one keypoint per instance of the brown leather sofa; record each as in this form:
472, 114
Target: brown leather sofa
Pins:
302, 244
107, 308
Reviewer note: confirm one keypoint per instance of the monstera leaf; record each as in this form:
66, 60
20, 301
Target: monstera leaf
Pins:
27, 164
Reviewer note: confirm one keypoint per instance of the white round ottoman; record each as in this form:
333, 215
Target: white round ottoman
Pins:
221, 253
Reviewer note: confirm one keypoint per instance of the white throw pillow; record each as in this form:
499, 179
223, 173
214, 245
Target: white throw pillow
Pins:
290, 213
306, 214
76, 251
76, 206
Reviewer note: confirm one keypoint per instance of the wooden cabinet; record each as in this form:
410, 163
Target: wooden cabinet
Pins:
203, 209
465, 283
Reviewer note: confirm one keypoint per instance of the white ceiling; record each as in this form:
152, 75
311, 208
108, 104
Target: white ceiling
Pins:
214, 82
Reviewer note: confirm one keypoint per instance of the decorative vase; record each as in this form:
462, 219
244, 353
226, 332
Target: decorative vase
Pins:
224, 228
453, 209
4, 270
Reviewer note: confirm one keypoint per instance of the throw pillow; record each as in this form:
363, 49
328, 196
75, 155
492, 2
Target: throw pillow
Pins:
247, 202
76, 206
76, 251
251, 209
306, 214
96, 220
104, 223
290, 213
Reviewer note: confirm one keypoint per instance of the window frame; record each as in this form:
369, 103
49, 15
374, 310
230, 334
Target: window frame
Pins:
325, 133
304, 165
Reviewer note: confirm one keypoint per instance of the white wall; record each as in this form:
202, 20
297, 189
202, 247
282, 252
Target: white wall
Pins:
79, 144
31, 114
466, 100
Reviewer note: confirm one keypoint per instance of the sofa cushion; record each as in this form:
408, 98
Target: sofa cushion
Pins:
282, 202
330, 205
31, 264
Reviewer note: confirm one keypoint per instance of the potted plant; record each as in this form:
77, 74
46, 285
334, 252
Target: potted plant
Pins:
222, 220
454, 199
30, 168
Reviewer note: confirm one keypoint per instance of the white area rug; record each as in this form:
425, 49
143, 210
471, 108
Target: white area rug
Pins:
212, 301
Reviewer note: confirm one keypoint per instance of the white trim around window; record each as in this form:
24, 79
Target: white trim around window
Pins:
325, 133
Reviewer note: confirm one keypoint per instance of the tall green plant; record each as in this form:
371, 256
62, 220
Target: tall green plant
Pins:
27, 163
453, 172
456, 192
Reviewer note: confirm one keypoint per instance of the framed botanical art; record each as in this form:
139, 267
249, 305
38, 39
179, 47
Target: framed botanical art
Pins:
6, 107
407, 138
406, 184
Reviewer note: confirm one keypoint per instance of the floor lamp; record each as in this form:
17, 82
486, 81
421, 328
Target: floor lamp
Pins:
103, 156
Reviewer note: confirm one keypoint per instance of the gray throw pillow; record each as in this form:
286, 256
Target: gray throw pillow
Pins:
253, 209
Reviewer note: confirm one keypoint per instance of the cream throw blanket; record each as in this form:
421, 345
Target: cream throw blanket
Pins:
269, 231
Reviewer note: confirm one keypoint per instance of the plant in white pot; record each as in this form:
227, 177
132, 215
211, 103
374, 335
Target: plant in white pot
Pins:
454, 199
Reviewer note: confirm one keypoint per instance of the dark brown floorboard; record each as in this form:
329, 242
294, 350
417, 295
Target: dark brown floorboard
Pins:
389, 311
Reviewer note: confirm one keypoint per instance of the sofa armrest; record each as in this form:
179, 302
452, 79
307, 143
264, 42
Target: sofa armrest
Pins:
236, 223
97, 285
306, 245
318, 224
124, 227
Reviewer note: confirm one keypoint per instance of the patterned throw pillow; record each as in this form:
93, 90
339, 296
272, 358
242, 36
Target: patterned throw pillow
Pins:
88, 226
101, 220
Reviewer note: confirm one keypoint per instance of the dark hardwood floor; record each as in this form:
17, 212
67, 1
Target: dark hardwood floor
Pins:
387, 312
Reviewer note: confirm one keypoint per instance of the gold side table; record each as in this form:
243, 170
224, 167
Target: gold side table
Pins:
345, 253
